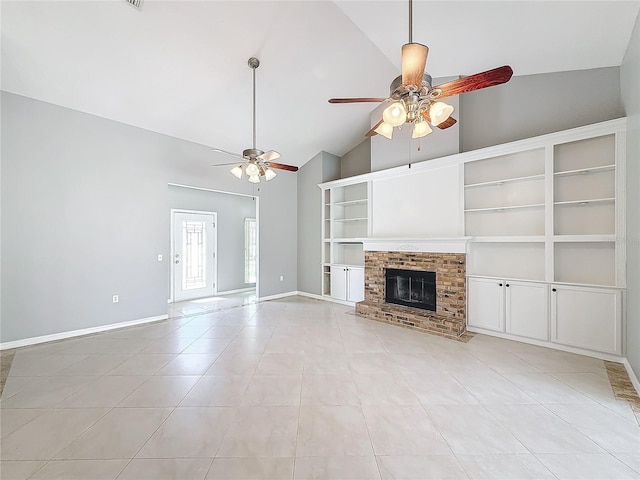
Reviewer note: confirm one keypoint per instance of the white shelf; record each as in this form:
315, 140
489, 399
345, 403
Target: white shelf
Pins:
506, 180
584, 238
349, 240
510, 239
586, 202
348, 203
359, 219
511, 207
584, 171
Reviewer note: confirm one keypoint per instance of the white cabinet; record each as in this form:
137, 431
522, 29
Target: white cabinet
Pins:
517, 308
527, 309
587, 317
347, 283
485, 304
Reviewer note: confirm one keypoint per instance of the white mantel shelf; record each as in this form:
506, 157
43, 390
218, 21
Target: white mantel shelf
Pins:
436, 245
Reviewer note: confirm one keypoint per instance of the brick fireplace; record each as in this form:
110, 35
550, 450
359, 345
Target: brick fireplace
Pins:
449, 319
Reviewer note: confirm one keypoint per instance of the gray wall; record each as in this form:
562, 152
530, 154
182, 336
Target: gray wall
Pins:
231, 211
533, 105
324, 167
356, 161
630, 82
84, 216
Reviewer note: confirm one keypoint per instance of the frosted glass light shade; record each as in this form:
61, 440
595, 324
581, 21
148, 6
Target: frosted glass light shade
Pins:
237, 171
395, 114
269, 174
254, 178
439, 112
385, 130
421, 129
252, 169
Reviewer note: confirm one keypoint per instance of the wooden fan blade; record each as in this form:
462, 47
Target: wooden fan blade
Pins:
372, 132
268, 156
225, 164
414, 61
449, 122
486, 79
356, 100
228, 153
281, 166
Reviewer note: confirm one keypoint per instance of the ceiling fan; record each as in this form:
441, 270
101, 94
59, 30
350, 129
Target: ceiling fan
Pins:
256, 163
413, 98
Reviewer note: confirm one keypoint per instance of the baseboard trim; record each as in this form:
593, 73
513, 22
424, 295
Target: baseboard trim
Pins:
555, 346
277, 296
632, 375
311, 295
237, 290
78, 333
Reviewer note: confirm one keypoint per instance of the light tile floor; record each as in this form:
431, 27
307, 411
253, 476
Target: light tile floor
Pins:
304, 389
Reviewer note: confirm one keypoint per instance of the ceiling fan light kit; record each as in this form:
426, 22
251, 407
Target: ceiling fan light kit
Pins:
415, 101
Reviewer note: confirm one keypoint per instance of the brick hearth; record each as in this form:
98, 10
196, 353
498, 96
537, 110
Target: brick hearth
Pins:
448, 320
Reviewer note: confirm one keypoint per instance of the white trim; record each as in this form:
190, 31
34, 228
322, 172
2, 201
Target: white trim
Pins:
78, 333
237, 290
632, 375
278, 295
311, 295
438, 245
555, 346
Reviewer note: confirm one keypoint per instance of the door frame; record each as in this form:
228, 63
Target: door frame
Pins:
256, 198
172, 288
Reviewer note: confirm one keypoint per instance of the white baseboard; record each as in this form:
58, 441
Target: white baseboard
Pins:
78, 333
311, 295
237, 290
555, 346
278, 295
632, 375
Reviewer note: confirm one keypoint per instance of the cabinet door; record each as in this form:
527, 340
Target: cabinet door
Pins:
486, 304
527, 309
339, 283
355, 289
587, 318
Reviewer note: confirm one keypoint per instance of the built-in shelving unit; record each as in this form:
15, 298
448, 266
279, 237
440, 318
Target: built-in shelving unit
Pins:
346, 214
549, 212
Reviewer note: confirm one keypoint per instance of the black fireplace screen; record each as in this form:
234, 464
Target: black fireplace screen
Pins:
411, 288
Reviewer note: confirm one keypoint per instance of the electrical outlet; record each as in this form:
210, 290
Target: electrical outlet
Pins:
159, 258
282, 278
116, 299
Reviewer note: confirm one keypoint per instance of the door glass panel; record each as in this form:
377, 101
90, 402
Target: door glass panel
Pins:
194, 264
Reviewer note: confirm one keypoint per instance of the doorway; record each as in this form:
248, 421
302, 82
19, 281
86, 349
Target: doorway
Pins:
194, 262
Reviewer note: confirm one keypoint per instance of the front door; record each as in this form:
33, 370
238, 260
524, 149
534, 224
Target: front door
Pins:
194, 263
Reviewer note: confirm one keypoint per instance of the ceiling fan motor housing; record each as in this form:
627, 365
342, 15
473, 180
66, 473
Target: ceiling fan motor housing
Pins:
252, 153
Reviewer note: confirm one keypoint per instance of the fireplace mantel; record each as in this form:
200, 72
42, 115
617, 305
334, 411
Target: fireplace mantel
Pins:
436, 245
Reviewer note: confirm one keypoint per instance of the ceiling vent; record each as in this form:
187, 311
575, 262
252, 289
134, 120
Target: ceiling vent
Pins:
135, 3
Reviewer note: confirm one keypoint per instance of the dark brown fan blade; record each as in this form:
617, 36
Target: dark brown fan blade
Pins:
281, 166
372, 132
486, 79
356, 100
449, 122
414, 61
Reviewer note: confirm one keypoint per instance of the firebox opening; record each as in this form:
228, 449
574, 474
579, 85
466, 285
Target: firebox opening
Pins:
411, 288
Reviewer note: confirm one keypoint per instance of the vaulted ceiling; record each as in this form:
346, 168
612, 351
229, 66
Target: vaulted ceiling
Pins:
180, 68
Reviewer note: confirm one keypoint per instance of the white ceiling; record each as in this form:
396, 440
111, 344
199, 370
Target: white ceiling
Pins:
180, 68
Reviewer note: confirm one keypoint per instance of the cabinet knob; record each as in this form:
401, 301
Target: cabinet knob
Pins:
499, 284
553, 290
507, 285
